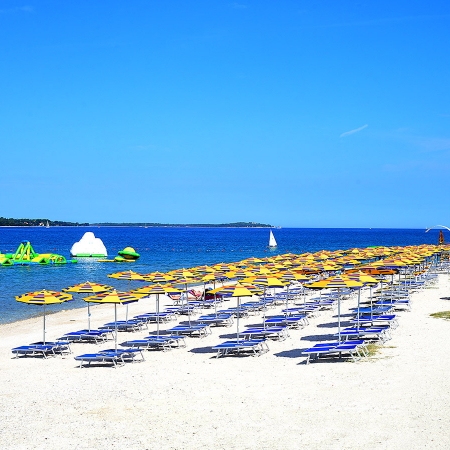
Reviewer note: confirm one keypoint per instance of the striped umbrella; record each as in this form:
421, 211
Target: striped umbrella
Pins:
43, 298
156, 289
88, 288
238, 291
338, 283
185, 281
116, 298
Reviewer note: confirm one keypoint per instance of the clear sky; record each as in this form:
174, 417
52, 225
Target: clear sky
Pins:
295, 113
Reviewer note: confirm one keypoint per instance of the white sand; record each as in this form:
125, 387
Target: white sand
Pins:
186, 399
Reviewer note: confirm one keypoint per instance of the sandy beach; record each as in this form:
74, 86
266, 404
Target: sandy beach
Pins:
188, 399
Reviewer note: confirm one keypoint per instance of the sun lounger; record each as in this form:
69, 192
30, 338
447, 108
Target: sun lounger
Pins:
95, 336
44, 350
114, 359
60, 347
200, 330
242, 312
162, 317
218, 320
125, 325
299, 321
376, 319
34, 350
277, 333
127, 354
332, 349
255, 347
148, 344
175, 340
379, 333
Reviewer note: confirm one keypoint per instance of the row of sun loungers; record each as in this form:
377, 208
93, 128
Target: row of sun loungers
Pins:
369, 324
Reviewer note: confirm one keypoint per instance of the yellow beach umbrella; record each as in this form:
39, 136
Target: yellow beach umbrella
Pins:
116, 298
238, 291
156, 289
44, 298
338, 283
88, 288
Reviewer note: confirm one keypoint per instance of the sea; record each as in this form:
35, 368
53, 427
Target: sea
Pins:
165, 248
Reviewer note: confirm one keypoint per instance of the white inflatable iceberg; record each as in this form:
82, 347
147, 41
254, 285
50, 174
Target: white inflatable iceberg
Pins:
88, 246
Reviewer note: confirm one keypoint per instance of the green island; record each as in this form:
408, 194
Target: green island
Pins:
4, 222
9, 222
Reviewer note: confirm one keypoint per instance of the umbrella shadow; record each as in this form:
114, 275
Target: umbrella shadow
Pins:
319, 338
294, 353
228, 336
345, 315
332, 325
203, 350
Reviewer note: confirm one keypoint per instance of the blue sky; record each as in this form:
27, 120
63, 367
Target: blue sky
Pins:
295, 113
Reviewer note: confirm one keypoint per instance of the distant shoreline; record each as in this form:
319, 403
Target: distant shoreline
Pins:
40, 223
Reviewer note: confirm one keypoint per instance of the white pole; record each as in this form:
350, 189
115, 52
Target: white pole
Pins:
44, 324
115, 323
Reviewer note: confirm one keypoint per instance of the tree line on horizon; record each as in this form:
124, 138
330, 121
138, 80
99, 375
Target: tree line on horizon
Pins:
10, 222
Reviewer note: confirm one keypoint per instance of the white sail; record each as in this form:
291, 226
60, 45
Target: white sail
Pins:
47, 226
272, 241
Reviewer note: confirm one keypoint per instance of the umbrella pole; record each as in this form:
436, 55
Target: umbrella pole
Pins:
237, 318
44, 325
89, 316
339, 315
157, 315
371, 305
215, 299
287, 301
359, 300
115, 326
187, 306
264, 309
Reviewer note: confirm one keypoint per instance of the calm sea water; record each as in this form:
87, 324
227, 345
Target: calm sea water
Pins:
164, 249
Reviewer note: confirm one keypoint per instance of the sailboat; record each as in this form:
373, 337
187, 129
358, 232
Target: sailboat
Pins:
48, 225
272, 241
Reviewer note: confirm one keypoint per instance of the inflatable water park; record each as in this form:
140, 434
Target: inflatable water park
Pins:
89, 247
25, 255
128, 254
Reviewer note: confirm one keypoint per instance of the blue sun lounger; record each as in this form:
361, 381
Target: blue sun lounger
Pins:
299, 321
114, 359
374, 320
95, 336
127, 354
255, 347
34, 350
41, 349
217, 320
277, 333
60, 347
332, 349
126, 325
110, 356
378, 333
176, 340
147, 344
163, 343
162, 317
200, 330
